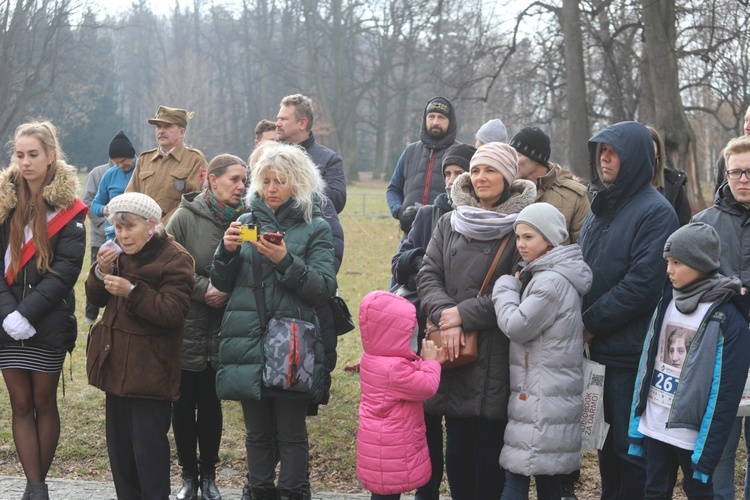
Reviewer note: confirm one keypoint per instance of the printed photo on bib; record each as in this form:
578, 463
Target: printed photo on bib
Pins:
674, 344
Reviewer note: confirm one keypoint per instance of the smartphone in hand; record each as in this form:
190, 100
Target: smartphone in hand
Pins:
274, 238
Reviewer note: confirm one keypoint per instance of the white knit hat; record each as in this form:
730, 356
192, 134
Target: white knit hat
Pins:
136, 203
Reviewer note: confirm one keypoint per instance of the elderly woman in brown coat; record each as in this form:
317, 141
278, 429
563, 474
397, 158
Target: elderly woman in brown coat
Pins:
135, 350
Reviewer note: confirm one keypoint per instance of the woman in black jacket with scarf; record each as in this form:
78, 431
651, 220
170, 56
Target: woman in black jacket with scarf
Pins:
43, 241
474, 397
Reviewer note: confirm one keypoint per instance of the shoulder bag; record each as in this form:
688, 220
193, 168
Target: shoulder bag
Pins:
468, 352
288, 343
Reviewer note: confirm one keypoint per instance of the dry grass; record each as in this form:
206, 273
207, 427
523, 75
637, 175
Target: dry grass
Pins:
370, 242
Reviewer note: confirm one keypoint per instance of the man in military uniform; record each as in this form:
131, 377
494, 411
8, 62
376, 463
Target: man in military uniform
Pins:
171, 169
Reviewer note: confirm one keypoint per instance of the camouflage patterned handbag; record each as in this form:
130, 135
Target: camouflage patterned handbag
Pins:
289, 349
288, 343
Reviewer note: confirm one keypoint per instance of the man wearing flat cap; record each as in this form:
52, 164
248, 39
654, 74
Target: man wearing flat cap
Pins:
171, 169
418, 177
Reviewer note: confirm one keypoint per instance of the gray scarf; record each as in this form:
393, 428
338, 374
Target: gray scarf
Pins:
480, 224
704, 290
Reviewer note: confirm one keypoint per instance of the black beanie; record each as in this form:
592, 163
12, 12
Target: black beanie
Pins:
438, 105
121, 147
533, 143
459, 155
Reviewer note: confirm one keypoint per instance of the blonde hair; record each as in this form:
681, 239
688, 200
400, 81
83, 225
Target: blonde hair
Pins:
290, 162
30, 208
735, 147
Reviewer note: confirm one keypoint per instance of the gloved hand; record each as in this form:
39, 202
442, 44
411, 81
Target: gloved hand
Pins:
406, 217
18, 327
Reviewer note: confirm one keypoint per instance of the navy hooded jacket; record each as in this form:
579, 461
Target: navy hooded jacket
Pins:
622, 240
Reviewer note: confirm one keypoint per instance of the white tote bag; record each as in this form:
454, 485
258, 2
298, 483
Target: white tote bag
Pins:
593, 427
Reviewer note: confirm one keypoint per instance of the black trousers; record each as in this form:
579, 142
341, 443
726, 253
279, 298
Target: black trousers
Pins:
138, 447
197, 422
92, 312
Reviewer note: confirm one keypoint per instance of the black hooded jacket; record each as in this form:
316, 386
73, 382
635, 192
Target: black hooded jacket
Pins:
622, 240
418, 177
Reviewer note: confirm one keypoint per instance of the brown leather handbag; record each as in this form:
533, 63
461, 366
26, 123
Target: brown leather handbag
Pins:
467, 353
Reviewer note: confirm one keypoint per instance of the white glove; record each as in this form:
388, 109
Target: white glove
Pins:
18, 327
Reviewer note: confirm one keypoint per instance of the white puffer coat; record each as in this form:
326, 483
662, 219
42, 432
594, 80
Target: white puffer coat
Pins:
543, 322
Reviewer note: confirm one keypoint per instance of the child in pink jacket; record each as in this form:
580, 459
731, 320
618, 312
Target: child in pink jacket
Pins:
392, 456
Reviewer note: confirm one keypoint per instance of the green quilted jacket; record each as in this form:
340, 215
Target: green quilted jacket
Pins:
304, 279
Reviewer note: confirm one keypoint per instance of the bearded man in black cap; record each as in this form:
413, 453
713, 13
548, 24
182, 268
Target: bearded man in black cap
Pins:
418, 177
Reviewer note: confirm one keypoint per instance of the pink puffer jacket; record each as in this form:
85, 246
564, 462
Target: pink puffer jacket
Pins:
392, 454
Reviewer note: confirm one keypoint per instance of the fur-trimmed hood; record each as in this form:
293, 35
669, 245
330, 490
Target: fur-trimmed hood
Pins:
522, 194
59, 194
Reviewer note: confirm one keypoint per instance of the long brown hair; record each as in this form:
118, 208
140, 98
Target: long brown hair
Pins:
31, 208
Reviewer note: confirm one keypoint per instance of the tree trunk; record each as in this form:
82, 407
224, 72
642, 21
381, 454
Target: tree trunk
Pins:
669, 114
578, 121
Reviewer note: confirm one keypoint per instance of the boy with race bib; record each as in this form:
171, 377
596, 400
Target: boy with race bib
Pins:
692, 369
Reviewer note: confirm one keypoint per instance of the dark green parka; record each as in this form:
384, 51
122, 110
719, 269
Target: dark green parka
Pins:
302, 280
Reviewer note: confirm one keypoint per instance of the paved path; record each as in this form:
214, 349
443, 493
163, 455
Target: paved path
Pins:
11, 488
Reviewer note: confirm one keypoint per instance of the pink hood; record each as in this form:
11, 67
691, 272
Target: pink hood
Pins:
386, 322
392, 454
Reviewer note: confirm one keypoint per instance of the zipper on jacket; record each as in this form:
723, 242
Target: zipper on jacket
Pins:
522, 394
426, 190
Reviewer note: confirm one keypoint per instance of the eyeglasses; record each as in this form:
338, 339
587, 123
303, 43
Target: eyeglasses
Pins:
736, 174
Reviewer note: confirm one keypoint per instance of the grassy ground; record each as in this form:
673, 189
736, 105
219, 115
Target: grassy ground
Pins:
371, 238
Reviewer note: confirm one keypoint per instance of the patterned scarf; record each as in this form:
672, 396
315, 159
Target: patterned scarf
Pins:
222, 212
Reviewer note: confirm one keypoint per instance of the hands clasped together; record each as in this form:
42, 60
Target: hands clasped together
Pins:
18, 327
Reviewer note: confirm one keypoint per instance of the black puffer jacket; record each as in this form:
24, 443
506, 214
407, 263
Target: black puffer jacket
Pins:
453, 271
46, 301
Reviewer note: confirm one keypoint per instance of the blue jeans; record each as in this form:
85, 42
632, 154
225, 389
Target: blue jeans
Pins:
623, 476
663, 460
472, 454
517, 487
723, 476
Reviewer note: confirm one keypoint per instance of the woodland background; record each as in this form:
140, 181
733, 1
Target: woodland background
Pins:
571, 67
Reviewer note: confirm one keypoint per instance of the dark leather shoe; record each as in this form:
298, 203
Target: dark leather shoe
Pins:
189, 490
209, 491
246, 490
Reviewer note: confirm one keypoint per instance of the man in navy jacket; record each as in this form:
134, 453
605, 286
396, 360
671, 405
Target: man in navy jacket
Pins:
622, 240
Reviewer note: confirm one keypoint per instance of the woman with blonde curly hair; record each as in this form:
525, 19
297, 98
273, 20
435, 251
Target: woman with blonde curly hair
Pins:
295, 257
43, 241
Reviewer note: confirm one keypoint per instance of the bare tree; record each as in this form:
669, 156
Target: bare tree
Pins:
35, 38
660, 36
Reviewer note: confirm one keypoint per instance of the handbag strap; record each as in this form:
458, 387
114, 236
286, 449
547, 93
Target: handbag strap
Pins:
493, 266
260, 299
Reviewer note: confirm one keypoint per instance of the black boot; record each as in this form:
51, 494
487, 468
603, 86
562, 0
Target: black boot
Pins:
189, 490
38, 491
288, 495
246, 492
209, 491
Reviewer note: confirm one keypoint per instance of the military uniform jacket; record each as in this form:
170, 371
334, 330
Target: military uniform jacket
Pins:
167, 178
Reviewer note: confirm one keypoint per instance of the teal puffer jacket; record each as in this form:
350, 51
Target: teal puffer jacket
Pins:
292, 288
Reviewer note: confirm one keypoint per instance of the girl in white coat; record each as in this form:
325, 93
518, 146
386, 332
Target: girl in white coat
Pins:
540, 311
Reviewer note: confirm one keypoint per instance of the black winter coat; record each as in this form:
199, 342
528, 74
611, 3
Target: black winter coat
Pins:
46, 301
622, 242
